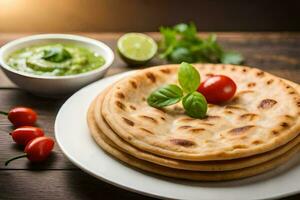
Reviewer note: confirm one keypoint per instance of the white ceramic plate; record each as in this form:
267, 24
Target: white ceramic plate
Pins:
73, 137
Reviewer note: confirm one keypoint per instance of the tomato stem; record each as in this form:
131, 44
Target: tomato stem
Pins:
3, 113
14, 158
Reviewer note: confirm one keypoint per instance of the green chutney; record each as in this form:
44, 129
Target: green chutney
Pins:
55, 60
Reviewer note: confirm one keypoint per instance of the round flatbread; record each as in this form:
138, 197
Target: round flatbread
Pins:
111, 149
263, 115
225, 165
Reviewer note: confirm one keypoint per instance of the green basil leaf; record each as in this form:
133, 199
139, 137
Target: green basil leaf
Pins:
165, 96
232, 58
188, 77
56, 54
195, 105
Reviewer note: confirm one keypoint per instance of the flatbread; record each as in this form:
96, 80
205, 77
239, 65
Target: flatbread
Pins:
263, 115
111, 149
225, 165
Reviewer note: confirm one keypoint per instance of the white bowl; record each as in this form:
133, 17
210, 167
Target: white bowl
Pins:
54, 86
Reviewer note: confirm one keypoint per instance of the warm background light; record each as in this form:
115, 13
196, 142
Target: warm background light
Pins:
146, 15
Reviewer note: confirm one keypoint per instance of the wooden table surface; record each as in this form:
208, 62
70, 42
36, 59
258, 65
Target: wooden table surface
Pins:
58, 178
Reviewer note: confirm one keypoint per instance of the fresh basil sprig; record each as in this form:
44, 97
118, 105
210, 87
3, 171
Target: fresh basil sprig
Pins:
165, 96
193, 102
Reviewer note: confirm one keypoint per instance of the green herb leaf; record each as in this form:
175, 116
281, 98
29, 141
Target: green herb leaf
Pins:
195, 105
181, 28
181, 54
181, 43
165, 96
56, 54
188, 77
189, 31
232, 58
169, 41
212, 38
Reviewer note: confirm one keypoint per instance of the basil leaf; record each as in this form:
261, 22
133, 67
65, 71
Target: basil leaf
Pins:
195, 105
56, 54
165, 96
232, 58
188, 77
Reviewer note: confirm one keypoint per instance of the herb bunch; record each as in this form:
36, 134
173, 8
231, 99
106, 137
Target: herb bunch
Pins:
193, 102
182, 44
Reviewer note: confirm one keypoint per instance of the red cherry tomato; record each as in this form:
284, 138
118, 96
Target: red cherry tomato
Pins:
217, 89
39, 148
22, 116
24, 134
36, 150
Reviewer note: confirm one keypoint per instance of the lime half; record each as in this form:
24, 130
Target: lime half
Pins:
136, 48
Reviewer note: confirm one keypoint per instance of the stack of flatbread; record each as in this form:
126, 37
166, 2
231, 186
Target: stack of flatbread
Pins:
254, 132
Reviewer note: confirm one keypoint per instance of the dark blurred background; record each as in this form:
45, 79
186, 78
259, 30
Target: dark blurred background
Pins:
147, 15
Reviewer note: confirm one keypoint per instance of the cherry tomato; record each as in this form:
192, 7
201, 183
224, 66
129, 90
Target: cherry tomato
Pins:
217, 89
39, 148
24, 134
36, 150
22, 116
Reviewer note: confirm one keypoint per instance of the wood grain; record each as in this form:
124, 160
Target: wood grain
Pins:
63, 185
58, 178
58, 185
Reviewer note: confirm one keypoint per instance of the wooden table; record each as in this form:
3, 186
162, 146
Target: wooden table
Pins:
58, 178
